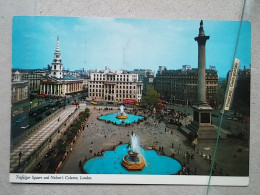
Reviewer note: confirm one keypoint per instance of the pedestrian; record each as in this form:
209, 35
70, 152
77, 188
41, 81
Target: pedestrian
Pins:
162, 149
90, 150
80, 164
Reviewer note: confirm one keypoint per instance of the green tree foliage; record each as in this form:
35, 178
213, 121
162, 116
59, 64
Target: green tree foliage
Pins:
70, 136
220, 95
61, 147
151, 97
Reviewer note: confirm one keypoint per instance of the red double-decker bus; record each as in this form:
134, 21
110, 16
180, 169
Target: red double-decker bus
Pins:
41, 95
130, 101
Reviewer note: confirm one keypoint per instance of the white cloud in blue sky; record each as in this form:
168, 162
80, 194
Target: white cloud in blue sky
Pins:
126, 43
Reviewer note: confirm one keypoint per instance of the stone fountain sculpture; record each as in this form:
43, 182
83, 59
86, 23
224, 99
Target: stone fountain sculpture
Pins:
134, 161
121, 114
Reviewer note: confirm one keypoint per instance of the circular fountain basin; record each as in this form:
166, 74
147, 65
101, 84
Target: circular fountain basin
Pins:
110, 163
131, 118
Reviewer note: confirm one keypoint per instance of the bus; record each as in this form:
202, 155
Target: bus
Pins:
42, 95
130, 101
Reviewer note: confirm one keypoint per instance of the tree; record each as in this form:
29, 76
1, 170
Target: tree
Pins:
61, 147
220, 94
70, 136
151, 97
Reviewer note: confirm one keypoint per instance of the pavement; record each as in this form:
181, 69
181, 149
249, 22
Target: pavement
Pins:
231, 158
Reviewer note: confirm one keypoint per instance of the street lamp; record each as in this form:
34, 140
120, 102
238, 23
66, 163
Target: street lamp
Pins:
20, 155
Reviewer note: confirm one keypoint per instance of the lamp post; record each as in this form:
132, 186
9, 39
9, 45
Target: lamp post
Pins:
20, 155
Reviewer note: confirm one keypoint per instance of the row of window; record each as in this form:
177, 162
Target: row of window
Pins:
116, 87
184, 77
117, 95
112, 91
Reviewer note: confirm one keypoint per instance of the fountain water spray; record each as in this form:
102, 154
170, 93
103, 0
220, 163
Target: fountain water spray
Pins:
122, 109
135, 143
121, 114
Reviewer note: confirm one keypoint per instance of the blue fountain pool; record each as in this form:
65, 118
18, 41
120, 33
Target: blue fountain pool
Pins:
112, 117
110, 163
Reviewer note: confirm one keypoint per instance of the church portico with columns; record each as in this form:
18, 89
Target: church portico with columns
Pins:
53, 87
58, 84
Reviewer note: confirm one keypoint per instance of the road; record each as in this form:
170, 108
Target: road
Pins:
22, 122
37, 138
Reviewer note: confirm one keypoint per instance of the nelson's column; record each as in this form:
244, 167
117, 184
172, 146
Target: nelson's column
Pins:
201, 127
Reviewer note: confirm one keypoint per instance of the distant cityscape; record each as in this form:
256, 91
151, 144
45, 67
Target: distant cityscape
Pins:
175, 86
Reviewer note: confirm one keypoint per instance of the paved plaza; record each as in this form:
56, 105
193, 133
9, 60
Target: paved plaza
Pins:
231, 158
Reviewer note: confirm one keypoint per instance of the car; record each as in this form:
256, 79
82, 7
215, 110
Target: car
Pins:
25, 127
94, 102
19, 120
75, 103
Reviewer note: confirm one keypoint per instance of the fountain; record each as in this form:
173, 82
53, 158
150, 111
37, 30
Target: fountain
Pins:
121, 114
111, 163
121, 118
134, 161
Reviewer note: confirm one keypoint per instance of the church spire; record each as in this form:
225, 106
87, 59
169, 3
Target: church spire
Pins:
57, 66
58, 45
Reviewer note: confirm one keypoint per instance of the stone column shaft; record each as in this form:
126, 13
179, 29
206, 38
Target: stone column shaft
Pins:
201, 74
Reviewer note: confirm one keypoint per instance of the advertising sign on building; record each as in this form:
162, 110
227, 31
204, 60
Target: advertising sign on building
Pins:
231, 84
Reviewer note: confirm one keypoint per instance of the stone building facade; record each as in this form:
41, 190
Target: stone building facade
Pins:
61, 87
146, 76
180, 86
19, 88
34, 81
114, 86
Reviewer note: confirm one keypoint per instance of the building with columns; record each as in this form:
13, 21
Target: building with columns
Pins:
61, 87
19, 87
58, 84
114, 86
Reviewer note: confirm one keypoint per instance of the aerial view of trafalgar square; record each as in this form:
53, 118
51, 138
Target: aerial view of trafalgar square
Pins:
130, 96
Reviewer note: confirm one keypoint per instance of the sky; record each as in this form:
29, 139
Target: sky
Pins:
93, 43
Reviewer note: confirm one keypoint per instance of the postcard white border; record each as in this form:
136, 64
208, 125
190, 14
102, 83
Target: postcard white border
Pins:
127, 179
